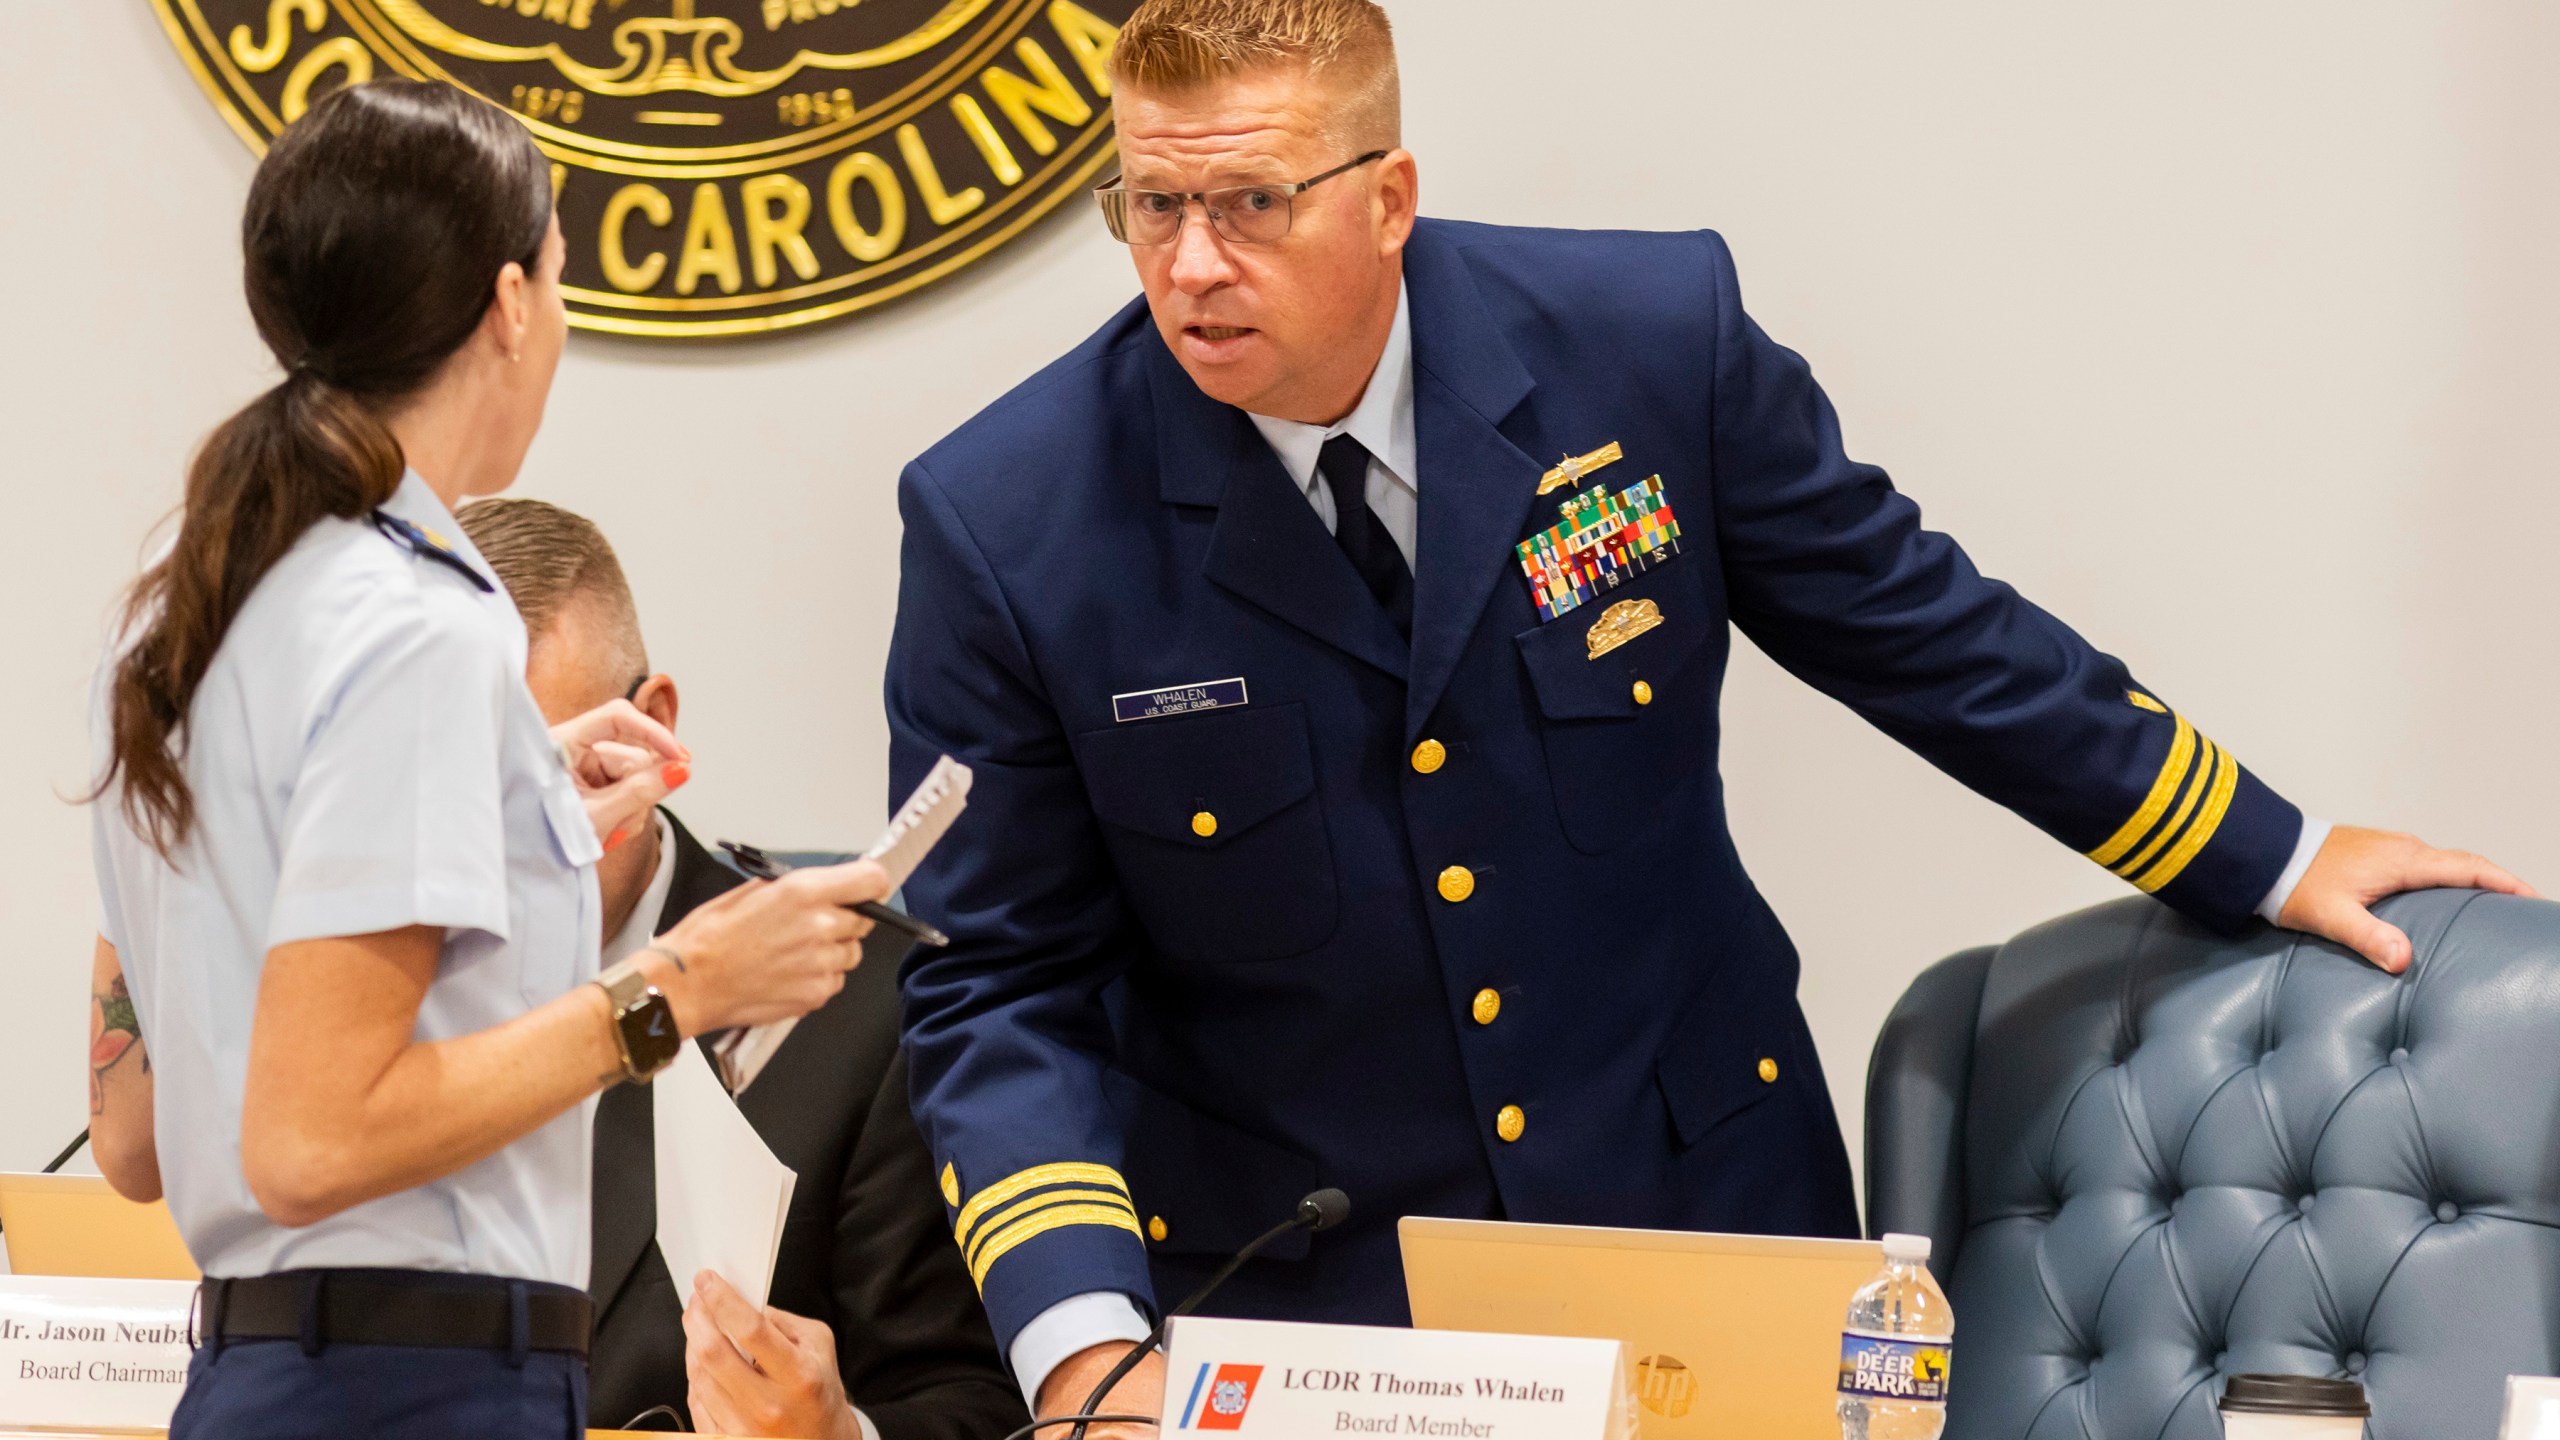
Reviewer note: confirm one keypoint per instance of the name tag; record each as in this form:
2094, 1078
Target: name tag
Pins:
92, 1354
1177, 700
1260, 1377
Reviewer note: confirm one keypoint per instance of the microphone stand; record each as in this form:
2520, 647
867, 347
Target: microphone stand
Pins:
67, 1152
1320, 1211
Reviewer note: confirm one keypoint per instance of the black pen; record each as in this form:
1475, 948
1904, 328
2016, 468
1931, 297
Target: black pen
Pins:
764, 867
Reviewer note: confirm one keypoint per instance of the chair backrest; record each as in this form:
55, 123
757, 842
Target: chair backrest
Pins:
2152, 1157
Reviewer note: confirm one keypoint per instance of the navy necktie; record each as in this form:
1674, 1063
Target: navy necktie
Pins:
1344, 464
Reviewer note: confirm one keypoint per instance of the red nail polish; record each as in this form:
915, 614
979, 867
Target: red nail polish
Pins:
676, 773
616, 838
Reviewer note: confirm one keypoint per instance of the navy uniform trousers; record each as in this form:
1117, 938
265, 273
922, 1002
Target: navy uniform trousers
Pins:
280, 1390
1454, 924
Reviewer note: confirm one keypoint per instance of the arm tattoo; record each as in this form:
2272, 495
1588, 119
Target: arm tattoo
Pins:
119, 1035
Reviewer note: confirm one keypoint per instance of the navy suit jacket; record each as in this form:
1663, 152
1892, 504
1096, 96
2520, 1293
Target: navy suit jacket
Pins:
1147, 1042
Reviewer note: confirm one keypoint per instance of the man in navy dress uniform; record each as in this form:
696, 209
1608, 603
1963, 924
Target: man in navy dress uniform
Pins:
1336, 638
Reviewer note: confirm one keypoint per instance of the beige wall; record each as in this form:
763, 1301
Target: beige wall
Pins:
2226, 331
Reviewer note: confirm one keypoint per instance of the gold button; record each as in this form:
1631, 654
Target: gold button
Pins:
1457, 883
1508, 1122
1488, 1005
1204, 824
1644, 693
1429, 756
1156, 1230
1769, 1072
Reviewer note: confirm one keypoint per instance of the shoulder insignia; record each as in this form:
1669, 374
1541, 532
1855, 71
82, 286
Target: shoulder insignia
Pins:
2140, 701
951, 1186
430, 545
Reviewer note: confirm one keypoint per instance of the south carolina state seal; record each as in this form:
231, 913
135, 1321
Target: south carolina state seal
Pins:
725, 167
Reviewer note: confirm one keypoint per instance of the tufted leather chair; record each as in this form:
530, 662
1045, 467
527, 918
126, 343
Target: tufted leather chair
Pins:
2150, 1156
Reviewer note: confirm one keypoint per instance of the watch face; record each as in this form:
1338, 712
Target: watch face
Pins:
649, 1032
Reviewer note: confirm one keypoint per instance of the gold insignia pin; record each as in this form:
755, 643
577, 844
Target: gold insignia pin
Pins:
1577, 466
1621, 623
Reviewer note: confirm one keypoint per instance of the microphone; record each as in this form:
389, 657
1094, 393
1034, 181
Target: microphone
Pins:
1321, 1210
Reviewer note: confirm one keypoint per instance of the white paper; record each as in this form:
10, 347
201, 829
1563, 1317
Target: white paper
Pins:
1261, 1377
92, 1354
923, 820
2533, 1409
722, 1196
912, 834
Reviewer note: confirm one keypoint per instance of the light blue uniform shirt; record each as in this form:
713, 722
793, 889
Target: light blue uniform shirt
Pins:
364, 756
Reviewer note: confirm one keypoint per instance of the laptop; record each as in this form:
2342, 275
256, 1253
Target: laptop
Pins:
1730, 1337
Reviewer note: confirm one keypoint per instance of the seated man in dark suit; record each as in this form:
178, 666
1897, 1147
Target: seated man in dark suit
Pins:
875, 1330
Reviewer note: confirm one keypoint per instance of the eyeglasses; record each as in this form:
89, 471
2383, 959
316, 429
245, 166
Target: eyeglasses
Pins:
1246, 214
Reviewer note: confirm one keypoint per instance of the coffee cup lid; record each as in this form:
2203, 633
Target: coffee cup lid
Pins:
2293, 1395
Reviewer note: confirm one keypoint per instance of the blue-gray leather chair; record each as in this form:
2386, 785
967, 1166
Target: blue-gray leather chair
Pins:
2150, 1157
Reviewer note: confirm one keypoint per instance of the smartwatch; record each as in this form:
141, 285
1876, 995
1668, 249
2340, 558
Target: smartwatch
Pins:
644, 1024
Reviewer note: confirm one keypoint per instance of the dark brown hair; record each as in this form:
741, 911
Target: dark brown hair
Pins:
375, 233
548, 557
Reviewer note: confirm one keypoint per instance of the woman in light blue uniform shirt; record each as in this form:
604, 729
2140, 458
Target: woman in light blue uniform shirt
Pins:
348, 898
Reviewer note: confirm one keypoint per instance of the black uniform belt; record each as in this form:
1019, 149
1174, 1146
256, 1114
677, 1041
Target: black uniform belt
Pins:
396, 1307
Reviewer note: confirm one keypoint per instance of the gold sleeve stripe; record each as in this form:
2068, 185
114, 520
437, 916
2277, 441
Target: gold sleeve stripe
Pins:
2224, 784
997, 1220
1065, 1173
2196, 785
1041, 1222
2182, 749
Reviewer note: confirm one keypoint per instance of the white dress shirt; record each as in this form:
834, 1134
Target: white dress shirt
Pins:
1383, 422
642, 926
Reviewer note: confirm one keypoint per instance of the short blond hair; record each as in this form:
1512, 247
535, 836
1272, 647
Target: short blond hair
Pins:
1184, 44
550, 559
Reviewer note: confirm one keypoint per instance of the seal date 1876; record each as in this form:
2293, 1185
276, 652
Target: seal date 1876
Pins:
725, 166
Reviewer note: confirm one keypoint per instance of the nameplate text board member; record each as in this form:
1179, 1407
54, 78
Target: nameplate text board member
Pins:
1336, 637
349, 914
873, 1329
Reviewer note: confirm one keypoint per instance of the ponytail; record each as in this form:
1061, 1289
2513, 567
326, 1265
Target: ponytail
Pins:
303, 452
375, 231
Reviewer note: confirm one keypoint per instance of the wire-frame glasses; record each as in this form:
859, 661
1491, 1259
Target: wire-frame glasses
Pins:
1246, 214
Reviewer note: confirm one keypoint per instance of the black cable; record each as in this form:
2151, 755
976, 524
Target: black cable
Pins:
667, 1410
1037, 1426
1320, 1211
67, 1152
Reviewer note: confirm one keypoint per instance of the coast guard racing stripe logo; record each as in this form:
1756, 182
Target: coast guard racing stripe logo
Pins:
1218, 1401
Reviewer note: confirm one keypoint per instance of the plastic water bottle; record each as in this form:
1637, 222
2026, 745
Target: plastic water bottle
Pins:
1895, 1348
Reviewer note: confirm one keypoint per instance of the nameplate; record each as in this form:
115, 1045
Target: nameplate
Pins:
1177, 700
92, 1354
1258, 1377
2533, 1409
